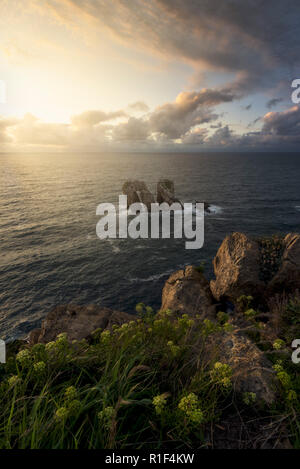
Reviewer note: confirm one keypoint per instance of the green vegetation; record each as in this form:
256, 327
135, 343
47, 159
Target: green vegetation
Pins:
201, 267
271, 250
146, 384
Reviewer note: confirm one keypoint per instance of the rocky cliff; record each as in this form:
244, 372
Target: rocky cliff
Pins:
259, 270
215, 359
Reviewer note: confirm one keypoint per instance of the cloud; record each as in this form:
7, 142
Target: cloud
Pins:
284, 124
229, 36
216, 126
90, 118
5, 124
93, 128
189, 109
255, 121
189, 122
221, 138
273, 102
174, 120
31, 131
133, 130
139, 106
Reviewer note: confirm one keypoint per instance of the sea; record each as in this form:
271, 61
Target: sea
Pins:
51, 255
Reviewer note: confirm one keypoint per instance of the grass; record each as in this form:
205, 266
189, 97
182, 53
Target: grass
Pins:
148, 384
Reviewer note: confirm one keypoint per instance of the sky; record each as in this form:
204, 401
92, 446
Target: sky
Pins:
149, 75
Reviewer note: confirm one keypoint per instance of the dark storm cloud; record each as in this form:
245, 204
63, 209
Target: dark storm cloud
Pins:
255, 43
189, 109
273, 102
251, 124
258, 40
285, 123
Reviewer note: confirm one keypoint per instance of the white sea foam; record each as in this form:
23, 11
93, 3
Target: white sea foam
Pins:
215, 209
151, 278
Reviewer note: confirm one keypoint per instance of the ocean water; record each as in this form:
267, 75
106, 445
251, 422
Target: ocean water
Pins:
50, 253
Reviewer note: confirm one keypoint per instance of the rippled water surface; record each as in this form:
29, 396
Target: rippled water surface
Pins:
50, 253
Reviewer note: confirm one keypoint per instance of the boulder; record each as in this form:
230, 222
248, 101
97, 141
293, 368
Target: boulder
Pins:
137, 191
187, 291
77, 321
252, 371
237, 268
288, 276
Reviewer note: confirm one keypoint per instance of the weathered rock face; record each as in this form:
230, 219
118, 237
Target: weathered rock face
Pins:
252, 372
137, 191
166, 192
288, 276
77, 321
237, 268
238, 265
187, 291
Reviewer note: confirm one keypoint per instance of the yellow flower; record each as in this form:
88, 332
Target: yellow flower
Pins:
189, 405
221, 374
13, 380
39, 368
159, 403
278, 344
70, 393
24, 358
61, 414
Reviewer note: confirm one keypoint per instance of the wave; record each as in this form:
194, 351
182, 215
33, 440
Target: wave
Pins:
151, 278
214, 210
115, 248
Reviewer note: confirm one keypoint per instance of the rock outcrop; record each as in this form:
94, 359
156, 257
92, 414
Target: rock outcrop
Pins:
187, 291
241, 268
137, 191
252, 372
288, 276
237, 268
77, 321
166, 192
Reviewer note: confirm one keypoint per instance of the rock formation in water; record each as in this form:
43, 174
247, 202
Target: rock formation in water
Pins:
166, 192
137, 191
